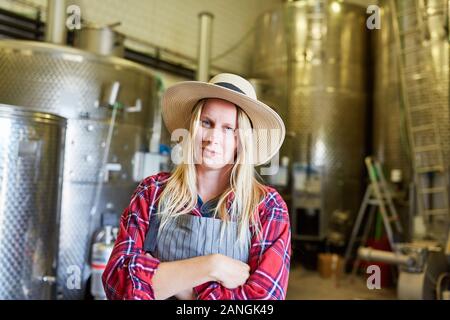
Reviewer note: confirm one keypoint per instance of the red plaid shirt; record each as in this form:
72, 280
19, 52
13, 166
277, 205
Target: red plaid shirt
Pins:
129, 272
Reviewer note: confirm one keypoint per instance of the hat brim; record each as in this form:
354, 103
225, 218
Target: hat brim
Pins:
179, 100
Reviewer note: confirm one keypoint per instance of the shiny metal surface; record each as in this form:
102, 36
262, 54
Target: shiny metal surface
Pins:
73, 83
55, 26
103, 40
315, 58
427, 67
76, 234
422, 285
87, 140
31, 157
390, 138
204, 46
77, 84
369, 254
426, 73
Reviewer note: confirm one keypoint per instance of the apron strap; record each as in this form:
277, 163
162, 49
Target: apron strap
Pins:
152, 233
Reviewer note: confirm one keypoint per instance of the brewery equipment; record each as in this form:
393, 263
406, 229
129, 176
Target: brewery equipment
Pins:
112, 109
31, 158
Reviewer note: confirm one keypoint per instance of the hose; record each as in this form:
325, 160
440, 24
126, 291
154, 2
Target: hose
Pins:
439, 281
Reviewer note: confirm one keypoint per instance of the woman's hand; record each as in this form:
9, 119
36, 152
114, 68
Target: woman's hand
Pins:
182, 295
229, 272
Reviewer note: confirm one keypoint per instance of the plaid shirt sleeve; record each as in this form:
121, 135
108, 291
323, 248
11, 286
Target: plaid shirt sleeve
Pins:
129, 272
269, 258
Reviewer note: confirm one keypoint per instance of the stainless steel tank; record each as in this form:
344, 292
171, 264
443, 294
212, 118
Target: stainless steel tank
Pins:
312, 58
82, 86
390, 137
31, 158
389, 127
103, 40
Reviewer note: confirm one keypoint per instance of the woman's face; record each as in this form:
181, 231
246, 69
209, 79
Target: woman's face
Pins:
216, 139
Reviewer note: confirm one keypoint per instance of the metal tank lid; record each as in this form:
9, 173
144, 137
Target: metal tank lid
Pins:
305, 4
10, 111
70, 53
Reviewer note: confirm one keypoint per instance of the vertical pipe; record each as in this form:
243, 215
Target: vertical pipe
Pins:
204, 47
447, 246
55, 30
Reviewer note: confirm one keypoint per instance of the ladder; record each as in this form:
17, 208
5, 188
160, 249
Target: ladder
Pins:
431, 173
377, 195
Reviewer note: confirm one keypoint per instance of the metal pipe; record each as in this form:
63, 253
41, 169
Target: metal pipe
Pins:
204, 47
55, 30
369, 254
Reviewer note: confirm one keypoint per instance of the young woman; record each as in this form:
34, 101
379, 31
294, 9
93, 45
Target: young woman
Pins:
209, 229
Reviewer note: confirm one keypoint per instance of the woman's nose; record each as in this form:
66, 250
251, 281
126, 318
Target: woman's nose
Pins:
213, 135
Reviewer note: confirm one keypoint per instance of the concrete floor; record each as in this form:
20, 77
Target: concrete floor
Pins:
308, 285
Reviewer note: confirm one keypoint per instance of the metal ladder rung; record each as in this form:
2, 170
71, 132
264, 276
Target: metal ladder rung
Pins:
424, 127
417, 145
421, 107
393, 219
433, 190
373, 202
435, 14
422, 149
436, 212
418, 67
409, 31
409, 50
429, 169
414, 81
433, 11
410, 35
413, 84
413, 78
406, 13
377, 203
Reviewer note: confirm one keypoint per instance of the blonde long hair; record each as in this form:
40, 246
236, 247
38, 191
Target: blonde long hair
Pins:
180, 193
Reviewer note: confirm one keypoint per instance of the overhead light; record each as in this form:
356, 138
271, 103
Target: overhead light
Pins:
335, 7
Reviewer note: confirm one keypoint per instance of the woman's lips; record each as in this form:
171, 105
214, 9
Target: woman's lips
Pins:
210, 152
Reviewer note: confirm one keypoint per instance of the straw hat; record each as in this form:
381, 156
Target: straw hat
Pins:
269, 130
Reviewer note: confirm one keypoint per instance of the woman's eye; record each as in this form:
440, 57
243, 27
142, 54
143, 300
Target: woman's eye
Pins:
205, 123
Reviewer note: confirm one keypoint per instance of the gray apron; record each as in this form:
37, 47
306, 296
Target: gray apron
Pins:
189, 236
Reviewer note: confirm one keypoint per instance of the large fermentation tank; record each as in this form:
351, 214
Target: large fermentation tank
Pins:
390, 135
31, 157
312, 58
82, 86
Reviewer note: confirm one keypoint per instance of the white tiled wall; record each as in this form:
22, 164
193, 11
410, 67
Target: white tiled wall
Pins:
173, 24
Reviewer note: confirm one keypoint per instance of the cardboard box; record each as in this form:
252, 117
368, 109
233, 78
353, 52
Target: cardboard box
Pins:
330, 264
